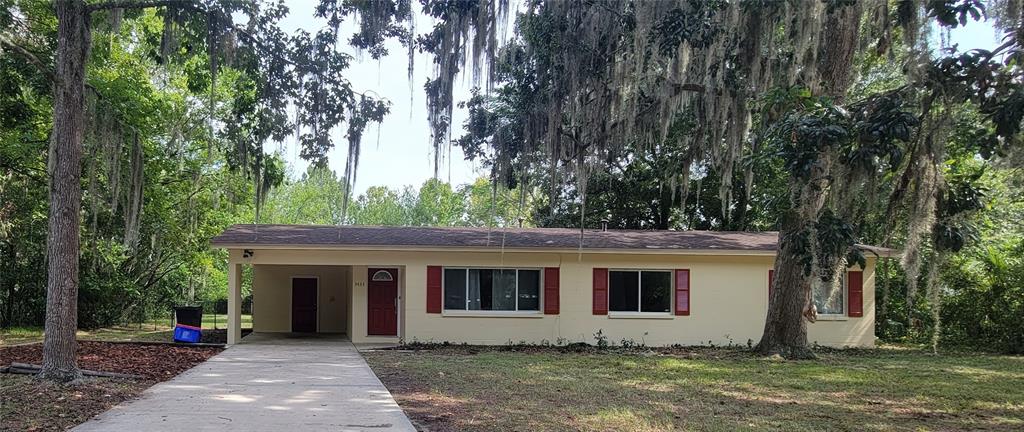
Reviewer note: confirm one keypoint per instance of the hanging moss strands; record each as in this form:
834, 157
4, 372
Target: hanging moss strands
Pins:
133, 213
749, 79
624, 71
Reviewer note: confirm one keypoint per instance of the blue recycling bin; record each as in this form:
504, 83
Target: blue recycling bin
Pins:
185, 333
188, 324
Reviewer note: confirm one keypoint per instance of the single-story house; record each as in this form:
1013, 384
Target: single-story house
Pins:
532, 285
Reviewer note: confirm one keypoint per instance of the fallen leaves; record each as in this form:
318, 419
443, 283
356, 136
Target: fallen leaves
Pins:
155, 362
31, 405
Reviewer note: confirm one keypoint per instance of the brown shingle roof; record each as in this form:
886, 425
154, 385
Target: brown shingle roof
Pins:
509, 238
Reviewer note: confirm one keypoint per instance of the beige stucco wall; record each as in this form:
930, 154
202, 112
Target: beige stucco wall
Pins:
272, 297
728, 297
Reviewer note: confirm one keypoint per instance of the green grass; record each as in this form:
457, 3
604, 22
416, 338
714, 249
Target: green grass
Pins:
221, 321
154, 330
715, 390
17, 335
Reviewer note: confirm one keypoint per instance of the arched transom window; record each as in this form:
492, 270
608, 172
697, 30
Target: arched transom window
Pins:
382, 275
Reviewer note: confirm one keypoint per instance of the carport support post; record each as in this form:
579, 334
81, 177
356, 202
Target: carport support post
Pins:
234, 303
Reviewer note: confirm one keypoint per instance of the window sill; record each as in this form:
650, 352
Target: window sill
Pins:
833, 318
640, 315
493, 314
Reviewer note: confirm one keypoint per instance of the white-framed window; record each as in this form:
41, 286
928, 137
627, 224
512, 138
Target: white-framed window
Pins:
830, 301
491, 289
640, 291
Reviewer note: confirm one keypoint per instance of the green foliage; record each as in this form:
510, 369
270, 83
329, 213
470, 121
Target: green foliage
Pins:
985, 299
188, 193
382, 206
985, 302
316, 198
181, 101
633, 192
983, 292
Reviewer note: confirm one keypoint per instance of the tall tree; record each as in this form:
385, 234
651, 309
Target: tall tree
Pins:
282, 69
755, 80
785, 329
65, 170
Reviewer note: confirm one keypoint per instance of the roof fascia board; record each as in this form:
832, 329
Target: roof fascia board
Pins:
651, 251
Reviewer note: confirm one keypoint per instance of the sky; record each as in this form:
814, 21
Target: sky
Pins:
397, 152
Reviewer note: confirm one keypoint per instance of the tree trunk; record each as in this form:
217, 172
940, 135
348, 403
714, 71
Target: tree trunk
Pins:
790, 306
7, 271
62, 246
785, 329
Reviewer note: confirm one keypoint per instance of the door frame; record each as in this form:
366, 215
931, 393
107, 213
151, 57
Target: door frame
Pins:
291, 300
399, 301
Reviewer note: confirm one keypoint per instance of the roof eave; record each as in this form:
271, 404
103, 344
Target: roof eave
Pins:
404, 248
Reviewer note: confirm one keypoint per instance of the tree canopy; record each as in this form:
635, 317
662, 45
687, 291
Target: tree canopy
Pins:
743, 90
133, 131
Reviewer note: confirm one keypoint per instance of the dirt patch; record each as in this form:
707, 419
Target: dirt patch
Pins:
155, 362
428, 410
30, 405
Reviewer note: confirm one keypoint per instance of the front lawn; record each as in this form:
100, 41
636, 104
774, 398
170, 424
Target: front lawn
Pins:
153, 331
473, 388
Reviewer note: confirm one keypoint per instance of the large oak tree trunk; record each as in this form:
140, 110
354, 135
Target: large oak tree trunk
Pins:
785, 331
65, 192
790, 305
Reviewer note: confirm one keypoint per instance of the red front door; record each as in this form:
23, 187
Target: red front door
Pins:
304, 305
382, 301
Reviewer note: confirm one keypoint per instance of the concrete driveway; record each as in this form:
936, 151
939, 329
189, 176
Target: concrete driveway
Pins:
266, 383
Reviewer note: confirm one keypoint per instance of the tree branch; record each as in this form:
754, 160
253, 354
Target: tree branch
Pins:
43, 68
27, 173
192, 5
28, 55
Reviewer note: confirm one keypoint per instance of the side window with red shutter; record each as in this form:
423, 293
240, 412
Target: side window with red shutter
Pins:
855, 291
600, 291
551, 283
682, 294
433, 289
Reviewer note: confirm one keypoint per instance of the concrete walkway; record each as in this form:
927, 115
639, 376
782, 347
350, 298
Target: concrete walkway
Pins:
266, 383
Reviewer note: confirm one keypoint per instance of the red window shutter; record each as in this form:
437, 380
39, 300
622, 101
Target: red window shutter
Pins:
600, 291
433, 289
682, 292
771, 278
551, 291
855, 292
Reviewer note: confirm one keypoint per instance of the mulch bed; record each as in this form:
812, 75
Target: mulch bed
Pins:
218, 336
155, 362
30, 405
684, 351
